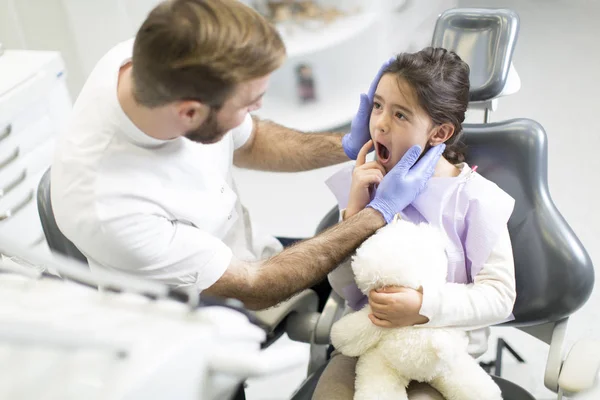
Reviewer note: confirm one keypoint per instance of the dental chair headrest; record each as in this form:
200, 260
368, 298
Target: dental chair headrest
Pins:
485, 39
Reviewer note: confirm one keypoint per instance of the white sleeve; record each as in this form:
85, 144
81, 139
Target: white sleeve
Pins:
486, 301
242, 133
154, 247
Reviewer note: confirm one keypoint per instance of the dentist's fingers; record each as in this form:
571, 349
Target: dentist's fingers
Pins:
426, 165
408, 160
375, 82
365, 107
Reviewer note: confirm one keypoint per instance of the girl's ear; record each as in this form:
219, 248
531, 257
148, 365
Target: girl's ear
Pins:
441, 134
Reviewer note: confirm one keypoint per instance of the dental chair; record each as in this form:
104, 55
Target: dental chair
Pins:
554, 273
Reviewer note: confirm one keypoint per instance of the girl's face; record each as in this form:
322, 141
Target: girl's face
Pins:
398, 122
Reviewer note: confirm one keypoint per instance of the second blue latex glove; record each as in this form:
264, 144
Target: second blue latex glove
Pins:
359, 131
404, 183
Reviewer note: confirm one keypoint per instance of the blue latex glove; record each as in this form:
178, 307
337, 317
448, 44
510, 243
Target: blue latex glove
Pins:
404, 183
359, 132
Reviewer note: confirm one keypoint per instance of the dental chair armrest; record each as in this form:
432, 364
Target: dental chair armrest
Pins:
275, 319
313, 327
333, 311
554, 334
581, 367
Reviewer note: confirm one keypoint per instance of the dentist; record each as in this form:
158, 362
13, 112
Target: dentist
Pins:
141, 180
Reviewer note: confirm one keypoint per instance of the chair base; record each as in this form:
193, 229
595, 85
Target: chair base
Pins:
512, 391
307, 388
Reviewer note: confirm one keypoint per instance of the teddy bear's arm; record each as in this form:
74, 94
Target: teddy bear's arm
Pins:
354, 334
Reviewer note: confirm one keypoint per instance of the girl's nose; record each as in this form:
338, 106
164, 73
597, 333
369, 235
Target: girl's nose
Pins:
382, 123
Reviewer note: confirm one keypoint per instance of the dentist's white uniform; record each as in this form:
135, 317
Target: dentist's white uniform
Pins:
164, 210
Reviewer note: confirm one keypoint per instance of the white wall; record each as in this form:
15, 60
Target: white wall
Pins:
82, 30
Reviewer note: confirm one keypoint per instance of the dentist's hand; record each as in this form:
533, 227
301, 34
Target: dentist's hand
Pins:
404, 182
359, 131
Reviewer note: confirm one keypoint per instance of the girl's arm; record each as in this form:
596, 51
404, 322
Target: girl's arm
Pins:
488, 300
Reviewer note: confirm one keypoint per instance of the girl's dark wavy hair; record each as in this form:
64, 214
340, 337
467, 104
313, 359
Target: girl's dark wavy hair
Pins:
440, 79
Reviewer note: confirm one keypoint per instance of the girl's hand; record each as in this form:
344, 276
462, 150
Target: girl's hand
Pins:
364, 179
396, 307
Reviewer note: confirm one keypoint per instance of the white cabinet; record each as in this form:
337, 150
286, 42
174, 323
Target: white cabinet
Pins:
34, 105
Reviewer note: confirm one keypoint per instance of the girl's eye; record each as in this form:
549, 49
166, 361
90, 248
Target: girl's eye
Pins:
399, 115
376, 105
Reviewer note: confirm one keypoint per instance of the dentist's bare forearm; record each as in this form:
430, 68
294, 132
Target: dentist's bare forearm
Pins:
267, 283
307, 263
276, 148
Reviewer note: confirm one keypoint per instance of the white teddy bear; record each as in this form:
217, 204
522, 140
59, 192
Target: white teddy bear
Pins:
409, 255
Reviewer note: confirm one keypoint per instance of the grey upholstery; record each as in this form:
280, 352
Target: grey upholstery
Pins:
330, 219
56, 240
554, 273
485, 39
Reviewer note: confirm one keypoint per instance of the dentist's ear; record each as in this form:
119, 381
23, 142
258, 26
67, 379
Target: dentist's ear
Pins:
191, 113
441, 134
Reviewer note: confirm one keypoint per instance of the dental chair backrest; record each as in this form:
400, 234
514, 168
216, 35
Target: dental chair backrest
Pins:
56, 240
554, 273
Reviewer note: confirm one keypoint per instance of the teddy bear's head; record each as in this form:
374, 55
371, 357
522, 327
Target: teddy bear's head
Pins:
401, 254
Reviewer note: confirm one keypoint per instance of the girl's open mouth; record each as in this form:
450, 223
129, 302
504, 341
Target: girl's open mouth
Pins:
383, 154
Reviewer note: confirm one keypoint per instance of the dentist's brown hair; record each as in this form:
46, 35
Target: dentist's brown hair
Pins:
200, 50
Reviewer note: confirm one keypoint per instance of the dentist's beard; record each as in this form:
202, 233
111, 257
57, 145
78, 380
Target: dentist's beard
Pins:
209, 132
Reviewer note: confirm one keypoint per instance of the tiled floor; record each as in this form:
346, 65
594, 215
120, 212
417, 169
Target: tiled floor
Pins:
558, 60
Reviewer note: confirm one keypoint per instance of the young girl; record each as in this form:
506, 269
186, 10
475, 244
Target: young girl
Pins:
421, 99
